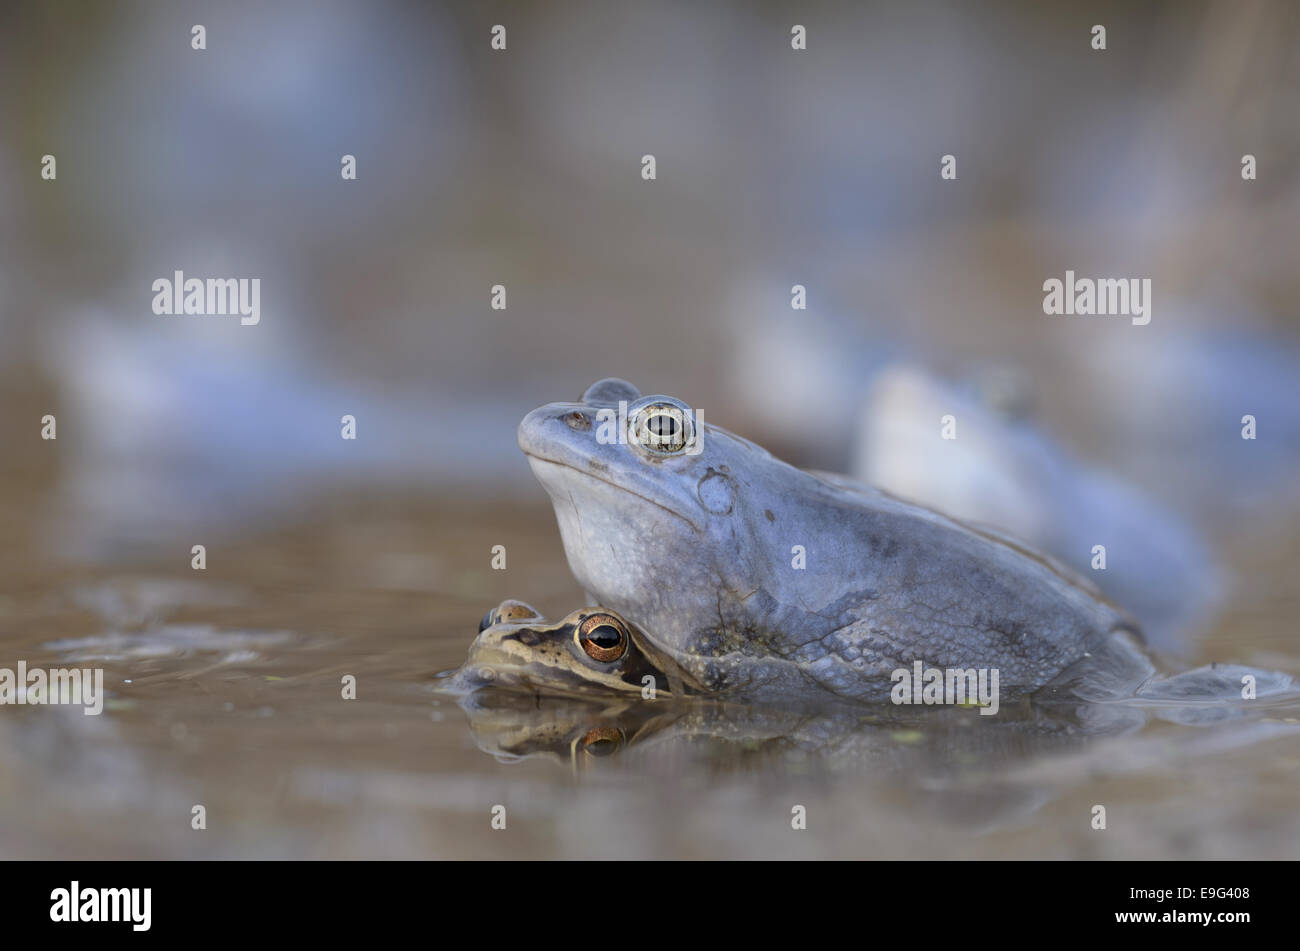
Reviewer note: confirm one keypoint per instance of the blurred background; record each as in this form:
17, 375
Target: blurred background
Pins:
522, 167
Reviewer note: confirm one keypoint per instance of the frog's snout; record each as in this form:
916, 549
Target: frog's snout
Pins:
534, 431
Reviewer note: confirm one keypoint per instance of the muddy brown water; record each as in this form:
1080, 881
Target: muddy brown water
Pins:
225, 691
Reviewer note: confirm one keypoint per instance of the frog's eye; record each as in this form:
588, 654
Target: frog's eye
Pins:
508, 612
602, 637
662, 426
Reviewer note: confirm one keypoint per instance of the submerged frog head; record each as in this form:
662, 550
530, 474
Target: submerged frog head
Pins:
591, 650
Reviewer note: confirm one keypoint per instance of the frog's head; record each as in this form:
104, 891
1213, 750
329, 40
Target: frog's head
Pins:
646, 448
645, 493
588, 651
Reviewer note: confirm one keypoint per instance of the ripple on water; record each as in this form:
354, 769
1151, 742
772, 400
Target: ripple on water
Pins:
170, 640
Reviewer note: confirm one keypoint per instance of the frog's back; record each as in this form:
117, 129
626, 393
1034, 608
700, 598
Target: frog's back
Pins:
887, 583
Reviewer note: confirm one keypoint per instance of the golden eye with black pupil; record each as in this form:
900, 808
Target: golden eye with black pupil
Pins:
602, 740
602, 637
663, 428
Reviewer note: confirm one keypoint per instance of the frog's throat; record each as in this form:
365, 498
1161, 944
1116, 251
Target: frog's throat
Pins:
533, 457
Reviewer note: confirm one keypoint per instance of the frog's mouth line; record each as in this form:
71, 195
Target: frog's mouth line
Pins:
621, 488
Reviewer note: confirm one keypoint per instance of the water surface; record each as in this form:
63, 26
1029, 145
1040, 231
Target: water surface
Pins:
225, 690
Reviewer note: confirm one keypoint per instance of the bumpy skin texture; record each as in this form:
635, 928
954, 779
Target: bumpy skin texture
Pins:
696, 549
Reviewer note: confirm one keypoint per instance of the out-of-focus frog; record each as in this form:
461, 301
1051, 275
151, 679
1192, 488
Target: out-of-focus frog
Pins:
997, 467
